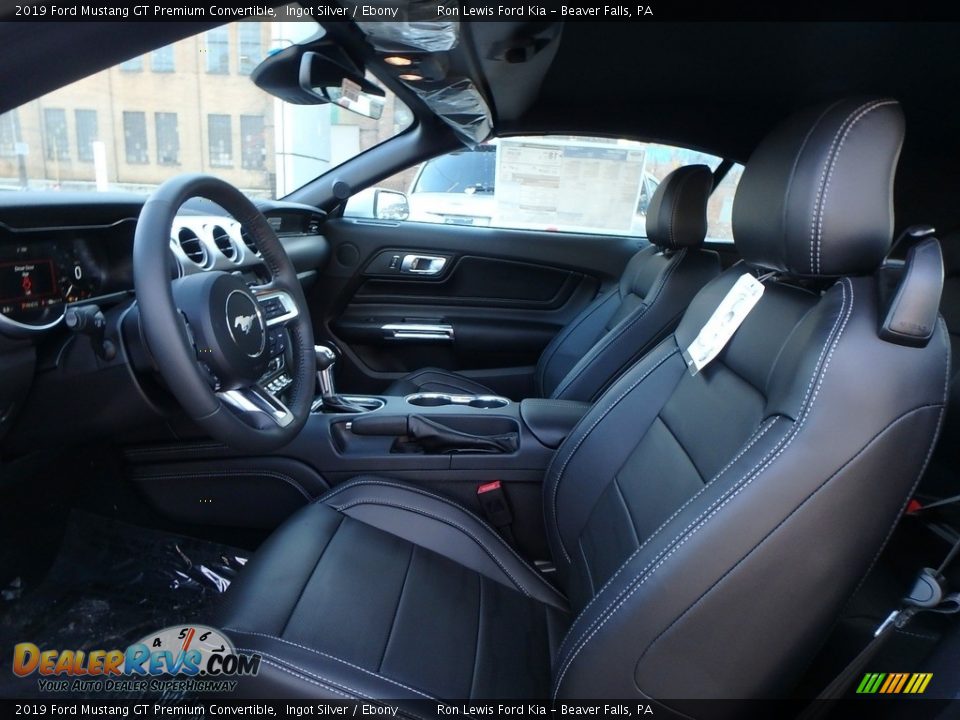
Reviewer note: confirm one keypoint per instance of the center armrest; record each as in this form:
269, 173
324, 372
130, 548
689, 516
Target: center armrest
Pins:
550, 421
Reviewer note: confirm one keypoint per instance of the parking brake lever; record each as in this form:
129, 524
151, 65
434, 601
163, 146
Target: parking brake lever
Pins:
414, 432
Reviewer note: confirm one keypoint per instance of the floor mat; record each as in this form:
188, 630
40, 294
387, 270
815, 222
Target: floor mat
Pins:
110, 585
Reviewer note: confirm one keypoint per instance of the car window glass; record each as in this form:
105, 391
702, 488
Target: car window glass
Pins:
553, 183
191, 106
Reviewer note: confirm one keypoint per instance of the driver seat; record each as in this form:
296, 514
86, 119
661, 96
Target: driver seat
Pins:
706, 528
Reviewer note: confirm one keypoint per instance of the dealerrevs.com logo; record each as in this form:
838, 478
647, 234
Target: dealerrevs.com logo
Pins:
185, 658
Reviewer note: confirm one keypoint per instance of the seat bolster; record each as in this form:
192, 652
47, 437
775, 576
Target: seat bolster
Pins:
292, 670
436, 380
569, 345
443, 526
637, 333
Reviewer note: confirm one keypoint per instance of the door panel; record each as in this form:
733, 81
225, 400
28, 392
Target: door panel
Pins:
488, 309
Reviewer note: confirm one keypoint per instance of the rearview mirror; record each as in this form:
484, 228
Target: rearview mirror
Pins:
318, 73
329, 81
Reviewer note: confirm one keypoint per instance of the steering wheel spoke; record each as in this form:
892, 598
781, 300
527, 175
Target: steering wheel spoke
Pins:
279, 307
257, 405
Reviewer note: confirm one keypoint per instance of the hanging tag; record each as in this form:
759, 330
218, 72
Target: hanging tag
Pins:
721, 326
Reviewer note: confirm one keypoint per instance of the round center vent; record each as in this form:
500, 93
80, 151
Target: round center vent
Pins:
224, 242
192, 247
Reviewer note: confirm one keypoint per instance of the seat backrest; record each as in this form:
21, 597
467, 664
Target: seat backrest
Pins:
708, 527
655, 288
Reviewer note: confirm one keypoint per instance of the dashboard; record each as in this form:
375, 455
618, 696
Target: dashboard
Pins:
66, 250
40, 273
45, 268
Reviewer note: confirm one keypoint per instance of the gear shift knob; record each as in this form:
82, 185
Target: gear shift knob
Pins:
326, 359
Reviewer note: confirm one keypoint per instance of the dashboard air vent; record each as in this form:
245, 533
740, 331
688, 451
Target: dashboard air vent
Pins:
224, 242
192, 246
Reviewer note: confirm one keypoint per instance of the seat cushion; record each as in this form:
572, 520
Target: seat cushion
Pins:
339, 607
436, 380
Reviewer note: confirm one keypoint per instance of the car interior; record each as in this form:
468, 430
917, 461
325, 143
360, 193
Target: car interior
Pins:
413, 460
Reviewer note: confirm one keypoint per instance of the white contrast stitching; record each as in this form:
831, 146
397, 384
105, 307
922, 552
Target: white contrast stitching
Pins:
360, 481
818, 375
563, 468
438, 518
289, 671
595, 305
759, 433
615, 334
331, 657
833, 154
717, 500
312, 674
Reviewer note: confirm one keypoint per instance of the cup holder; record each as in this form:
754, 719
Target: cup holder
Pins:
488, 401
474, 401
363, 403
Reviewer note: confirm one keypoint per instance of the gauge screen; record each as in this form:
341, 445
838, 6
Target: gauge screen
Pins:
27, 283
38, 278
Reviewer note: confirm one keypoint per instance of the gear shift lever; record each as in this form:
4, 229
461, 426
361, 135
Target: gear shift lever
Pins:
326, 359
329, 400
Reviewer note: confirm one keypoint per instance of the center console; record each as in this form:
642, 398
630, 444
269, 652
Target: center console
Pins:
445, 442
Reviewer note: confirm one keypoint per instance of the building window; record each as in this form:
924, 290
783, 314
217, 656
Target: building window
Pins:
168, 139
86, 122
253, 146
221, 145
161, 60
133, 64
55, 133
218, 51
250, 47
135, 137
8, 134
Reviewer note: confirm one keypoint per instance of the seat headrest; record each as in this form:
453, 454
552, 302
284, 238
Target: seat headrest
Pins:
816, 197
677, 214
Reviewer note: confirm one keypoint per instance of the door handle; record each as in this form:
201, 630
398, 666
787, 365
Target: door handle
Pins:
423, 264
418, 331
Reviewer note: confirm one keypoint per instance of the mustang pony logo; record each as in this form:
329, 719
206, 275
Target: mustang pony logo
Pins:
244, 322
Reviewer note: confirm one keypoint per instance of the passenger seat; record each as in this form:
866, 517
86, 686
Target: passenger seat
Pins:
624, 323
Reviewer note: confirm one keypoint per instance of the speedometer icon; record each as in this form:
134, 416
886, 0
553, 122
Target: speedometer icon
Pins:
178, 640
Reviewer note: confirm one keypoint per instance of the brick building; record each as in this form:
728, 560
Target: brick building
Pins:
186, 107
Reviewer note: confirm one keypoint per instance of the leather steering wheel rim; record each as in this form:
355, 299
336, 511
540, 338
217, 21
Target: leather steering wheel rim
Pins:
237, 412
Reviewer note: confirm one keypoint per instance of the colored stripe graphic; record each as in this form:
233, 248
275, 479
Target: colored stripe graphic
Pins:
894, 683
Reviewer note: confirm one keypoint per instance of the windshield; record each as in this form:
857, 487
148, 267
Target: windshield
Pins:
187, 107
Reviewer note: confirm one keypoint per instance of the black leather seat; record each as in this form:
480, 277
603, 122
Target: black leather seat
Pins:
706, 528
620, 325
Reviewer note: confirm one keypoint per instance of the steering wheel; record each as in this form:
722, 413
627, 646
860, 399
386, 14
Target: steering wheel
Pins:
210, 334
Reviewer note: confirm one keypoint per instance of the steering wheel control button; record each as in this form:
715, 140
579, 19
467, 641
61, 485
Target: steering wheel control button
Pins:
273, 307
245, 324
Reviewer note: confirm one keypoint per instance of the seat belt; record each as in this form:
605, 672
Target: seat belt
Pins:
928, 594
493, 500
